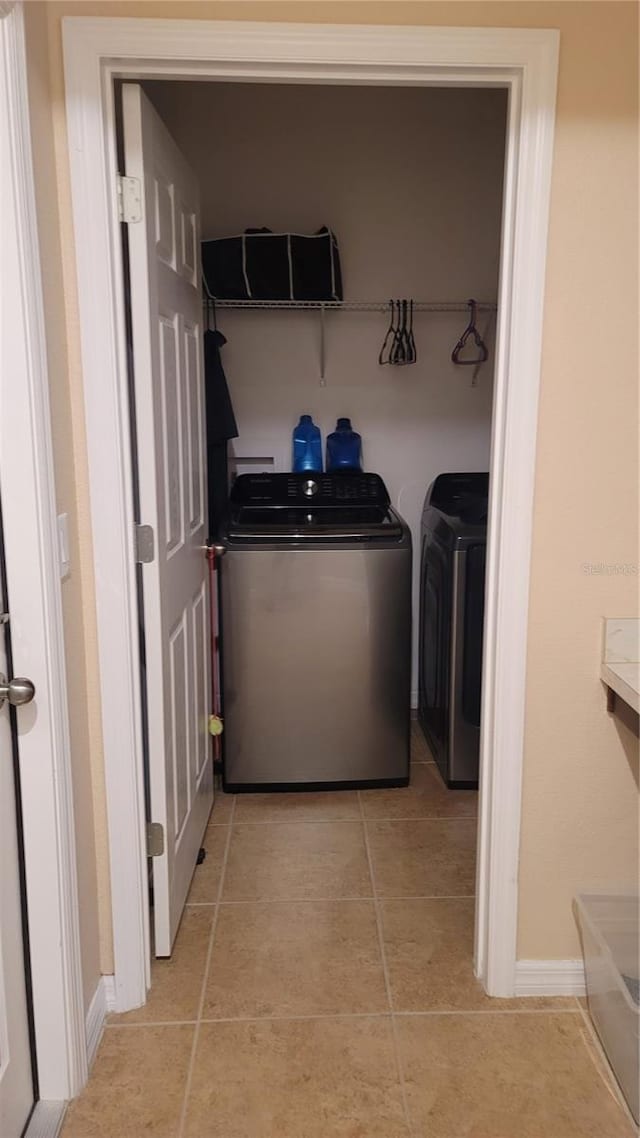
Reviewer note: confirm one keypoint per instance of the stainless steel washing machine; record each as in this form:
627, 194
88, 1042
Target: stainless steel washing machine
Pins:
316, 634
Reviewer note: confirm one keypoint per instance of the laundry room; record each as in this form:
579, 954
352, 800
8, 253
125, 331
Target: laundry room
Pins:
409, 182
334, 707
347, 243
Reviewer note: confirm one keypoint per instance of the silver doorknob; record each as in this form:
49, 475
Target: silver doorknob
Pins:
17, 691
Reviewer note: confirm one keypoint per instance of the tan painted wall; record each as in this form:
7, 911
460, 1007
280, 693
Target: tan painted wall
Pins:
581, 767
72, 499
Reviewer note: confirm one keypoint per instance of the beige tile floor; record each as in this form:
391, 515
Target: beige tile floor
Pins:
321, 987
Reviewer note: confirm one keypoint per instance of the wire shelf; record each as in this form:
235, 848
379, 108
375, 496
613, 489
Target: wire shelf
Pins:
324, 306
353, 305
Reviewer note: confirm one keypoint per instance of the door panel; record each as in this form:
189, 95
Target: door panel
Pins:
166, 313
16, 1088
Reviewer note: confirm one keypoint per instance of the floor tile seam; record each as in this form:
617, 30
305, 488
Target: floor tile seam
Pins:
426, 897
432, 818
381, 898
355, 821
383, 959
431, 1013
426, 818
603, 1067
426, 1014
387, 979
285, 1016
196, 1034
401, 1078
214, 923
151, 1023
295, 1018
329, 900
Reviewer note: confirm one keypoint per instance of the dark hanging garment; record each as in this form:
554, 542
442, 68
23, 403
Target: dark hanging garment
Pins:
221, 421
221, 426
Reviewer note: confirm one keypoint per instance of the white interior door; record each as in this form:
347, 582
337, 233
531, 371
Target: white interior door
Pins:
166, 310
16, 1089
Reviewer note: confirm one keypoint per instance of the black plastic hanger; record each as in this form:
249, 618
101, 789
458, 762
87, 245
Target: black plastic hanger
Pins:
398, 353
470, 330
382, 358
412, 351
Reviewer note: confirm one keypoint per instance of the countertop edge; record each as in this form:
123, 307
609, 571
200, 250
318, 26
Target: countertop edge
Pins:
624, 680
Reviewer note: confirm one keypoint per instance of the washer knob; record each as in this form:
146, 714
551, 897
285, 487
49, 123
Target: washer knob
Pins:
309, 488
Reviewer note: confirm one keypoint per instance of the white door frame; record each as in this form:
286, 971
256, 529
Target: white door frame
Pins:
33, 575
95, 51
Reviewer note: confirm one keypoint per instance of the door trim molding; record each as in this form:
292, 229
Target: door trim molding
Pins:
524, 61
29, 514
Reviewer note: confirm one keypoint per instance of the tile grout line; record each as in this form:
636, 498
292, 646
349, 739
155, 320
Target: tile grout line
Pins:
431, 1012
150, 1023
427, 1014
196, 1034
385, 971
326, 900
355, 820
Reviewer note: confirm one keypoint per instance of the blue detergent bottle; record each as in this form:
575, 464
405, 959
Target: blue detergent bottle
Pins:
307, 446
344, 447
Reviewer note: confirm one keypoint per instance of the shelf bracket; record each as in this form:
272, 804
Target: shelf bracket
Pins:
323, 382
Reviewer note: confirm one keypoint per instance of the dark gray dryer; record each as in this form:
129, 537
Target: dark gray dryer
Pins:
452, 573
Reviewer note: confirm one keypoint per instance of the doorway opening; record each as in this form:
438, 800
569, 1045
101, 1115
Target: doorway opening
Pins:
422, 221
288, 54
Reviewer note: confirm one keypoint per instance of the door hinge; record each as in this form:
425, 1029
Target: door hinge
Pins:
144, 545
129, 198
155, 839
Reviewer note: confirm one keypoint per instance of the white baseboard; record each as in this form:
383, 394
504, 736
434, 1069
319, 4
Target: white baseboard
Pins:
95, 1022
102, 1003
109, 985
550, 978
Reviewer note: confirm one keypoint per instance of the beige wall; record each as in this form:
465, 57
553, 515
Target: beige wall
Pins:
411, 183
581, 772
71, 498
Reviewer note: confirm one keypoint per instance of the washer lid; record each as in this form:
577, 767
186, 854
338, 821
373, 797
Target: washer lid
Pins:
295, 525
345, 505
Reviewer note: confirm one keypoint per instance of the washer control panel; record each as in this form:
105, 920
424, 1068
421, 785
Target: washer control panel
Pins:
344, 489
